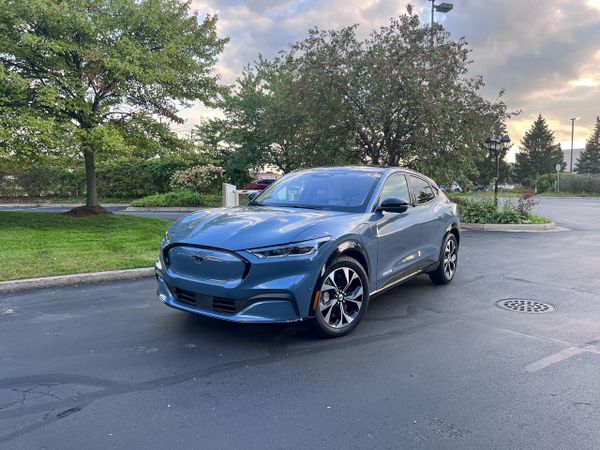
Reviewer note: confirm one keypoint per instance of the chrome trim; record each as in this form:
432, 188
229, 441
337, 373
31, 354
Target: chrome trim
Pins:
388, 286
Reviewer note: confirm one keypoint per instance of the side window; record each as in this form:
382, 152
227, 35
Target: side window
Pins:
422, 191
395, 187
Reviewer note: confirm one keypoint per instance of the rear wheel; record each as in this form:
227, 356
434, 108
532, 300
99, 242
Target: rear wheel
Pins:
446, 269
342, 298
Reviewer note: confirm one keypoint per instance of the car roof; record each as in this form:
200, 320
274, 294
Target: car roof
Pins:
373, 169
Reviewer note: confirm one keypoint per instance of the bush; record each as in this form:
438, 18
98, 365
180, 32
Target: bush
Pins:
121, 179
179, 198
573, 183
131, 178
205, 179
43, 181
483, 210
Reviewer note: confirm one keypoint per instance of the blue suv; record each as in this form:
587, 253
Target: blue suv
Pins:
317, 244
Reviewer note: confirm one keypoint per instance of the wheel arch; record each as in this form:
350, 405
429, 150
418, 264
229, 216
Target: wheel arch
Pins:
352, 249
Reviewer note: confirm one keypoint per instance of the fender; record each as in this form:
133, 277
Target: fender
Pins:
350, 246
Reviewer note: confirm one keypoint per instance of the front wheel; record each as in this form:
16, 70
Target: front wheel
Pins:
342, 297
446, 269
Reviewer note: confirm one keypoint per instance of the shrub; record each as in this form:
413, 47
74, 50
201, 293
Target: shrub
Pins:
130, 178
573, 183
483, 210
179, 198
477, 211
205, 179
526, 203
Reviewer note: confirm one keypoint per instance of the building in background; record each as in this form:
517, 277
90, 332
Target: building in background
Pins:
567, 158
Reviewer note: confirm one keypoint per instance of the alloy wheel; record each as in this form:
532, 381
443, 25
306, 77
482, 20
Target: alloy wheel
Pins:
341, 297
450, 257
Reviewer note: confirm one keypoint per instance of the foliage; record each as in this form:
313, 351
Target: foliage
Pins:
483, 210
335, 98
570, 183
87, 78
527, 203
589, 160
179, 198
539, 154
120, 179
45, 244
204, 179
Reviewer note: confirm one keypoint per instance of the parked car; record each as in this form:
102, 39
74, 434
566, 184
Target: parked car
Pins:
317, 245
260, 185
454, 187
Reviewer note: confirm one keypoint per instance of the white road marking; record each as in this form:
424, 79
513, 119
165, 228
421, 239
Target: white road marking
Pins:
561, 356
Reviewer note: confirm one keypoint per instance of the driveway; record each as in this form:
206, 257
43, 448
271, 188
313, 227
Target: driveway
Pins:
108, 366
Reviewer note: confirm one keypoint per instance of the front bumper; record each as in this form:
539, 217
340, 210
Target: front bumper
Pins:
277, 290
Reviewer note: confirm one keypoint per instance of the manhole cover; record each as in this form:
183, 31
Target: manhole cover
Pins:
525, 305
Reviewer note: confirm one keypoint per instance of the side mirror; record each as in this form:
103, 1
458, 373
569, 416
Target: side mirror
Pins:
393, 204
253, 196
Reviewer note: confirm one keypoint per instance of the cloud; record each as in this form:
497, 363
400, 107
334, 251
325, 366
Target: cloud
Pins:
545, 54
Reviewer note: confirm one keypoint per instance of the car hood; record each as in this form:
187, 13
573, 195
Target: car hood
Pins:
246, 227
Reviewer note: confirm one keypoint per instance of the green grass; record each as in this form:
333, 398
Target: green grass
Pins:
179, 198
45, 244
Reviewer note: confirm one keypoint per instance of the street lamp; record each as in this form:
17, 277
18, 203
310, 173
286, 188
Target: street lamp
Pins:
572, 136
496, 146
442, 8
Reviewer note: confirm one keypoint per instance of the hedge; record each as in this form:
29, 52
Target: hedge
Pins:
123, 179
570, 183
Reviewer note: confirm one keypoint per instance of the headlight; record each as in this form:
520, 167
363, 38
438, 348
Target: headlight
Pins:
294, 249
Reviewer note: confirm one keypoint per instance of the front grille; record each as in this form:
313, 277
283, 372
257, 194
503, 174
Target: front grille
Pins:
207, 302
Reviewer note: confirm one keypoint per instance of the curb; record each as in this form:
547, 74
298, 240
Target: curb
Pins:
164, 208
69, 280
511, 227
58, 205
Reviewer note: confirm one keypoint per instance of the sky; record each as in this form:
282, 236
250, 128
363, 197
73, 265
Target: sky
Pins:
544, 53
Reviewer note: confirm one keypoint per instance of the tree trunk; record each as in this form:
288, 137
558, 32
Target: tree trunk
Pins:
90, 179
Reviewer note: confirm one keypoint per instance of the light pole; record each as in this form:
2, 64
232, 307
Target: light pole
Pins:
442, 7
572, 136
496, 146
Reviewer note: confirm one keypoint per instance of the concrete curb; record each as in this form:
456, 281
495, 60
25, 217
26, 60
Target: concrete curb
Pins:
68, 280
58, 205
511, 227
164, 208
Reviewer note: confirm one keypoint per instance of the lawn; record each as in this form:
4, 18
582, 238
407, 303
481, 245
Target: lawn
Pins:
45, 244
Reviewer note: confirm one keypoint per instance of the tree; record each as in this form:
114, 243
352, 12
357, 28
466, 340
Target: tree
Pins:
97, 70
539, 154
404, 93
391, 98
589, 160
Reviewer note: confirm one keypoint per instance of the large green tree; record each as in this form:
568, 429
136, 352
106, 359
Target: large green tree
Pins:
396, 97
98, 75
589, 160
539, 154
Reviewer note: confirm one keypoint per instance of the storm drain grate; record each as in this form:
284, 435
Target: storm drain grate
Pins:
525, 305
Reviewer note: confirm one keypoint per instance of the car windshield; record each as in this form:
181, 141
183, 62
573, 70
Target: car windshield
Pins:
337, 190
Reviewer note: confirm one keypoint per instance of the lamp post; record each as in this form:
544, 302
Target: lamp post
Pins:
496, 146
442, 8
572, 136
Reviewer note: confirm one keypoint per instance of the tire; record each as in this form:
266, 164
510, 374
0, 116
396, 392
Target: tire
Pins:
448, 262
344, 287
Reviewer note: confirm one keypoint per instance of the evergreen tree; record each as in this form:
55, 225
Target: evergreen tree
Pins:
589, 160
539, 154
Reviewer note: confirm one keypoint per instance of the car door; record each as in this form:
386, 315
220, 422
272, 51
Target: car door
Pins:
398, 235
430, 214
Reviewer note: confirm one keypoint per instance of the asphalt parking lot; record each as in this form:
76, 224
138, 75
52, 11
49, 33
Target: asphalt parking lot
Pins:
108, 366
